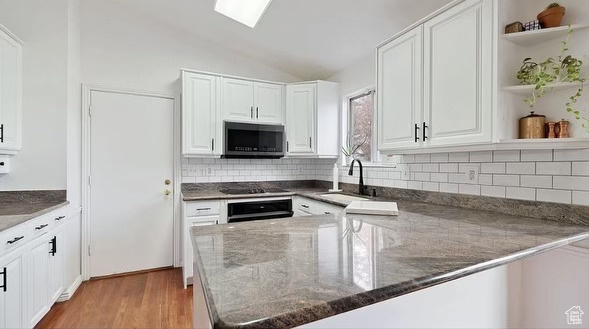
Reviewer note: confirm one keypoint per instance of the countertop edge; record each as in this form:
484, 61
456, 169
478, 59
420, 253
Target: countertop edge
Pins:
350, 303
28, 217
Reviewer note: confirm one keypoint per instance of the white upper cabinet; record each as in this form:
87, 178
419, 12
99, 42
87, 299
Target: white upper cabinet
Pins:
301, 109
399, 95
249, 101
200, 122
458, 74
268, 102
10, 92
238, 100
435, 82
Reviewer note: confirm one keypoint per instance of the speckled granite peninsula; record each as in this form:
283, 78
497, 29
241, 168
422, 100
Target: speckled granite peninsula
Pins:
19, 206
288, 272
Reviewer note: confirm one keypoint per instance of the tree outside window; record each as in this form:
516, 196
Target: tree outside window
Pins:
361, 118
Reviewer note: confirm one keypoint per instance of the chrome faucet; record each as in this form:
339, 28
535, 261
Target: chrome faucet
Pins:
361, 186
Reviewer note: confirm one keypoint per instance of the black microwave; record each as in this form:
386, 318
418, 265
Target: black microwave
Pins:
248, 140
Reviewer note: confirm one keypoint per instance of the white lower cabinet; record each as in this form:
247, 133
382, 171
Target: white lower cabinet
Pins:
32, 275
307, 207
13, 291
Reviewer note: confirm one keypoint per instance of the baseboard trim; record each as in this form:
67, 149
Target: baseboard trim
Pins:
131, 273
68, 293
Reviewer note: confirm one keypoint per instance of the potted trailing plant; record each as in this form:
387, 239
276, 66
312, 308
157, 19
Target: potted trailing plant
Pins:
554, 71
552, 16
350, 150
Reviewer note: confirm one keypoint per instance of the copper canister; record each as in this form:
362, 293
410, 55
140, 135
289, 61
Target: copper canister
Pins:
532, 126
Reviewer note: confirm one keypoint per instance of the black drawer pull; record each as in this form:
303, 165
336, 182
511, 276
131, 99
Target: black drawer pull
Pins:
60, 218
327, 213
16, 239
305, 206
201, 209
1, 133
40, 227
4, 285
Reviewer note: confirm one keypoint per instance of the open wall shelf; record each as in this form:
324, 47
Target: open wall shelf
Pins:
531, 38
527, 89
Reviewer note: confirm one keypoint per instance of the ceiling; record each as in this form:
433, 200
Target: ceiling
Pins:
310, 39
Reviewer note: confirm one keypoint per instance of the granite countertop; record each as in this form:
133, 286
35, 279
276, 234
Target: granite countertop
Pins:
215, 194
287, 272
17, 207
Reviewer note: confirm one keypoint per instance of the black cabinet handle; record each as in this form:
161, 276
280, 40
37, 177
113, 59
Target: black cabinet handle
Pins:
310, 142
257, 113
1, 133
40, 227
4, 285
252, 112
53, 243
15, 239
59, 218
305, 206
327, 213
199, 209
286, 146
213, 144
416, 133
423, 131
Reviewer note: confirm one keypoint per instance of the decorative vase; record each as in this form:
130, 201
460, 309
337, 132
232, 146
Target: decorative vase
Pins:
349, 159
551, 17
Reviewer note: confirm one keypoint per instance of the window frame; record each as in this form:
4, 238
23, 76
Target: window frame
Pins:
347, 125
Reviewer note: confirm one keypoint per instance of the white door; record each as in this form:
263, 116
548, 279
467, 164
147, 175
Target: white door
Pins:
399, 93
131, 151
10, 93
458, 74
56, 266
268, 102
300, 108
199, 114
12, 293
38, 280
238, 100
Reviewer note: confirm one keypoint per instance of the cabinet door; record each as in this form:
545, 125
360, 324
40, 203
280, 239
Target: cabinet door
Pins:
199, 114
189, 223
12, 296
268, 103
300, 109
10, 93
238, 100
56, 266
38, 280
399, 94
458, 74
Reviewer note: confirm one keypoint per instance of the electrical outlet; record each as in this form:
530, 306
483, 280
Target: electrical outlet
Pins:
301, 168
404, 171
471, 175
208, 171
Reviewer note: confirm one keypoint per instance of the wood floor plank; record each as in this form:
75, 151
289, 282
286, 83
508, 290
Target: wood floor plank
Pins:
144, 300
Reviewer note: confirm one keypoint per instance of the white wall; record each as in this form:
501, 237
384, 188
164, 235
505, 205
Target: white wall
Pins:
42, 25
358, 76
125, 50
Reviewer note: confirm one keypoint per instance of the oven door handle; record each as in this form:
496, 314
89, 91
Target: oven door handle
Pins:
286, 213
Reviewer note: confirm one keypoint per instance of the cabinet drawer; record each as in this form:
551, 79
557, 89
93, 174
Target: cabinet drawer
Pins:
203, 221
202, 208
315, 207
40, 225
13, 238
57, 216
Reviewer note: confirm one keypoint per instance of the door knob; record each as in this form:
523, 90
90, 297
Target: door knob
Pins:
167, 192
167, 182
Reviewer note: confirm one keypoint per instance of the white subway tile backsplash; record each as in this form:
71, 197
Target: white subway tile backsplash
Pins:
521, 168
439, 157
520, 193
559, 196
481, 156
493, 191
459, 157
571, 183
423, 157
416, 167
422, 176
506, 180
448, 167
493, 168
456, 178
469, 189
485, 179
448, 188
571, 155
429, 186
581, 197
536, 181
536, 155
581, 168
415, 185
506, 156
431, 167
439, 177
553, 168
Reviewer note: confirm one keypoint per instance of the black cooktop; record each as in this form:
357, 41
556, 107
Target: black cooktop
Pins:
252, 190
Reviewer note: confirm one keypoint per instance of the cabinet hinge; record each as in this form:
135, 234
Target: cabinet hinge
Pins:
89, 181
90, 110
89, 252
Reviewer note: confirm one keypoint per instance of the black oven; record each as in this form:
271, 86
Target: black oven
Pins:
243, 211
247, 140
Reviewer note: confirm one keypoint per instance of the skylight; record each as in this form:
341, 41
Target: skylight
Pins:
247, 12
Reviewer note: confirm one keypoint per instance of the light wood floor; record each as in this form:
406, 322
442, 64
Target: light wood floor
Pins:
146, 300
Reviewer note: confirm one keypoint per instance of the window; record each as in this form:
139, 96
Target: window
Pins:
360, 125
